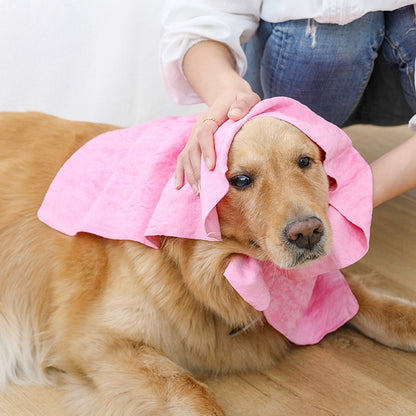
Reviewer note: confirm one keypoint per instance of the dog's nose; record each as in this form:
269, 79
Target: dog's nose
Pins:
305, 232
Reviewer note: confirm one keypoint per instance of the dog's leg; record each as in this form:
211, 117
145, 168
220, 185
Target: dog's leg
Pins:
128, 380
387, 319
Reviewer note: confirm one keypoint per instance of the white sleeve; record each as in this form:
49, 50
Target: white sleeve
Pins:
185, 23
412, 123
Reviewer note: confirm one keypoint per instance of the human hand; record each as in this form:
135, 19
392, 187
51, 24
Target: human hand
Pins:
201, 141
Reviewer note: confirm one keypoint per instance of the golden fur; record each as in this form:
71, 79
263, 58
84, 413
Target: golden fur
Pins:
124, 328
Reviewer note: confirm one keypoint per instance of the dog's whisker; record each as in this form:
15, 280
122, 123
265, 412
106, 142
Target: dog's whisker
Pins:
241, 329
258, 242
254, 243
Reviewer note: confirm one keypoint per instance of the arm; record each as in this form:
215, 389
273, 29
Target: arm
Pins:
394, 172
210, 69
185, 23
202, 59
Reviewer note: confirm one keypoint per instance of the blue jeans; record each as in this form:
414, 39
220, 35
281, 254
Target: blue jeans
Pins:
362, 72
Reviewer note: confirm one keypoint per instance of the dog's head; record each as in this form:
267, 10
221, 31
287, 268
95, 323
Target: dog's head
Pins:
278, 198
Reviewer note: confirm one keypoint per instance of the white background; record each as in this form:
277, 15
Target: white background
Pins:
94, 60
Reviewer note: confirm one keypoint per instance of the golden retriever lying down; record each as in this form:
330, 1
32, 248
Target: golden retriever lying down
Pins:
126, 328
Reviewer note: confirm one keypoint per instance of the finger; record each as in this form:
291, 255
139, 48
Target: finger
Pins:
242, 105
193, 170
179, 173
185, 168
206, 142
188, 166
208, 151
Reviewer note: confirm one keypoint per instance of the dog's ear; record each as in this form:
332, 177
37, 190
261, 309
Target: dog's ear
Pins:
332, 183
322, 154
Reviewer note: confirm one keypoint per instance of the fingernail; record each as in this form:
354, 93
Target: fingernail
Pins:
235, 112
208, 162
195, 189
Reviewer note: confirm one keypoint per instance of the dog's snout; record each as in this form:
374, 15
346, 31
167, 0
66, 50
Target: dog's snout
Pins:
305, 232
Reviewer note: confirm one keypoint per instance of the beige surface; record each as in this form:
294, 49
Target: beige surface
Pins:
346, 374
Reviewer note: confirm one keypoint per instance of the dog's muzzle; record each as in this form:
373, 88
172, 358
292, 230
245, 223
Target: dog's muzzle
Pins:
304, 238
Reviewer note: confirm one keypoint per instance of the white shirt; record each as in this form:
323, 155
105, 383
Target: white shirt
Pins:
234, 22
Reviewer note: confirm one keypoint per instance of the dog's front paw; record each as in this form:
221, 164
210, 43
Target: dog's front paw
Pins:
195, 399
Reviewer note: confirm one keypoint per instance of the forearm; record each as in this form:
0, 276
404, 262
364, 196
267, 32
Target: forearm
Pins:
394, 172
209, 68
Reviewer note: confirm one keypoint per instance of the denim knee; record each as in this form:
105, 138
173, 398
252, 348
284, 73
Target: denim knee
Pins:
325, 66
399, 48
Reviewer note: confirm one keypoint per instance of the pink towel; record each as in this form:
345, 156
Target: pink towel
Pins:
120, 185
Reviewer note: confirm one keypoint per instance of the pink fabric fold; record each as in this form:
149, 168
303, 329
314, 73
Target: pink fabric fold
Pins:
120, 185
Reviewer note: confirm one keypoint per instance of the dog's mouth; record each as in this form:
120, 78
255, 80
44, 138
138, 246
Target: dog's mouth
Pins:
303, 257
289, 257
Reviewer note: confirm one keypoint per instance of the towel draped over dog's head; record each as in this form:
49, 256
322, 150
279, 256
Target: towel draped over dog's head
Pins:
121, 185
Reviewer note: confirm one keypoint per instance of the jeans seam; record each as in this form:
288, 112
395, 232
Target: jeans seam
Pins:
380, 34
282, 36
402, 58
281, 58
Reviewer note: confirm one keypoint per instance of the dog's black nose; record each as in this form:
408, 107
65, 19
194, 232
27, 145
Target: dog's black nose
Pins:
305, 232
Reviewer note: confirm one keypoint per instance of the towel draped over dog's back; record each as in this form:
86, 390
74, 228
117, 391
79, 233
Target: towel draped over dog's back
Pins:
121, 185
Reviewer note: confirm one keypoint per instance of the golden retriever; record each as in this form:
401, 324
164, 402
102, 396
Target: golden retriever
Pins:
127, 329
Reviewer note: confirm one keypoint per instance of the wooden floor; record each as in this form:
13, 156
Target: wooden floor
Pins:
346, 374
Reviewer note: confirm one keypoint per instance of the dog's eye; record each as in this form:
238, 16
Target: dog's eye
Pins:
304, 162
241, 181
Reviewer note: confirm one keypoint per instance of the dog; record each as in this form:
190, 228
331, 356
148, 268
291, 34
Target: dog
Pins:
126, 329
